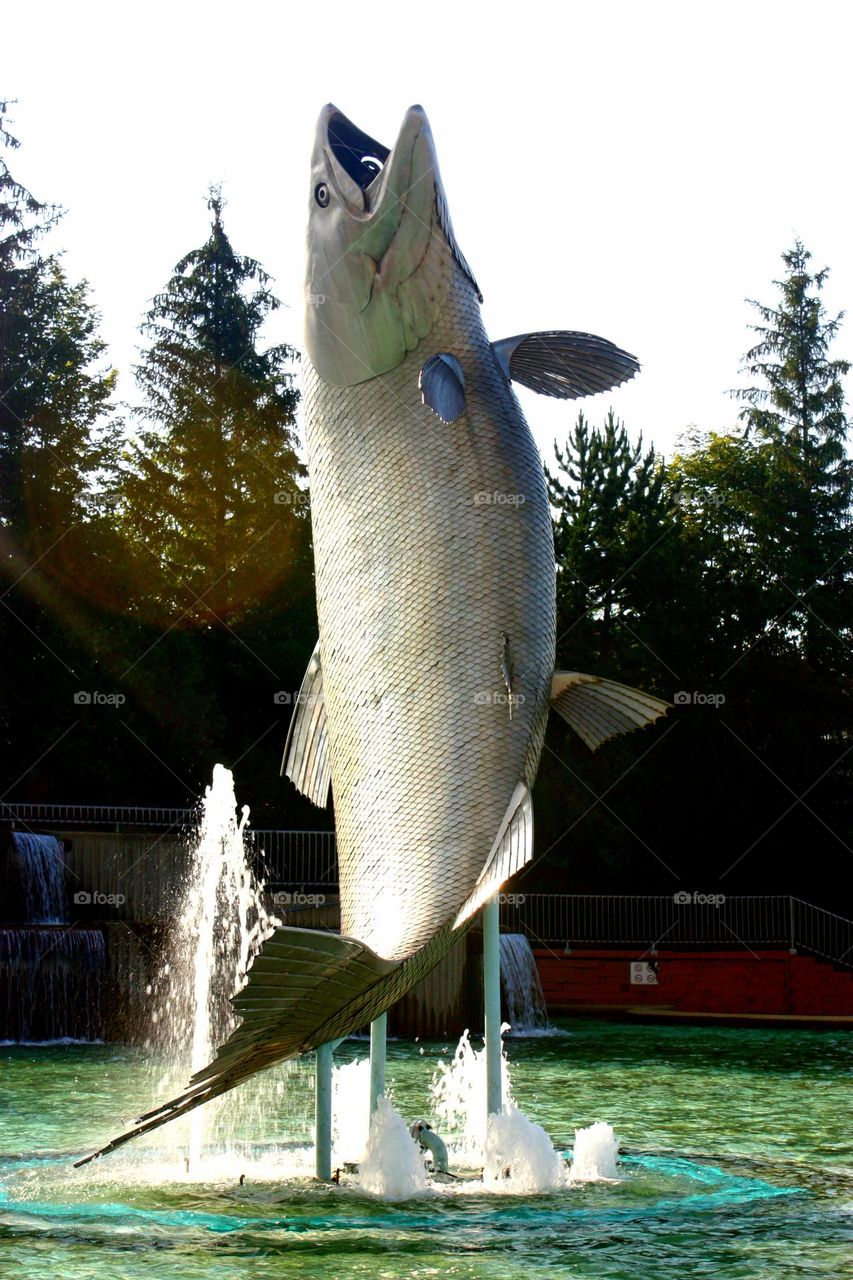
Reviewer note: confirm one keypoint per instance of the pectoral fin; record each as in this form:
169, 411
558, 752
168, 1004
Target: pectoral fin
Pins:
598, 709
563, 364
306, 752
512, 849
442, 386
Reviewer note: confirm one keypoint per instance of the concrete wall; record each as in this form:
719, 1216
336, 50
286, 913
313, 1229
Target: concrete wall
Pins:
128, 876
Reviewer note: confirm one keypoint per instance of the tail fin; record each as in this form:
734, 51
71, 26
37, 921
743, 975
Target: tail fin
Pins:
300, 980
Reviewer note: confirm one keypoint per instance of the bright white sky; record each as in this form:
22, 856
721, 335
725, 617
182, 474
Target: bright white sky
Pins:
629, 169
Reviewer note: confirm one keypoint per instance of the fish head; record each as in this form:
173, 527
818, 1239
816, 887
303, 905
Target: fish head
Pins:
380, 247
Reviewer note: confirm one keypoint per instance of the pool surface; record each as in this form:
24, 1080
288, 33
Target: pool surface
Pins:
737, 1162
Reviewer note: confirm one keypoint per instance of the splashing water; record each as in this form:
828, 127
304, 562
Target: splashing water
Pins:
595, 1154
519, 1158
458, 1100
219, 926
516, 1155
350, 1109
392, 1168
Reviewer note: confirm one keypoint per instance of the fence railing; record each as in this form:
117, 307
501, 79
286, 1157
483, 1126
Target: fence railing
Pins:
822, 932
97, 815
309, 859
685, 919
290, 857
303, 859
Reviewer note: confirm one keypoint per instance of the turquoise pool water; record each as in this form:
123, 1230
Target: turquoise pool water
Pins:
737, 1162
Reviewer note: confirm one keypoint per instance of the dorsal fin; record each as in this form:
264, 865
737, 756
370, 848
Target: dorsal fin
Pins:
447, 227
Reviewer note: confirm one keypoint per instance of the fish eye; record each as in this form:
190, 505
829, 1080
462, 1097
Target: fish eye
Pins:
321, 194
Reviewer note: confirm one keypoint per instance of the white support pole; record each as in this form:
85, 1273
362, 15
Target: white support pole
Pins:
323, 1112
378, 1037
492, 1003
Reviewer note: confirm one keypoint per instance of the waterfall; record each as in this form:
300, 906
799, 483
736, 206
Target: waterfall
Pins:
51, 975
51, 983
41, 872
526, 1010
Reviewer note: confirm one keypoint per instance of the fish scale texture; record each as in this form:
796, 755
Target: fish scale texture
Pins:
431, 541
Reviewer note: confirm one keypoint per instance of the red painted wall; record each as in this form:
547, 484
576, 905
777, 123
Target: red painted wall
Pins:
767, 982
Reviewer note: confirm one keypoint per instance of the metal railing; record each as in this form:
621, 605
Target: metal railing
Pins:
96, 815
303, 859
309, 859
688, 919
823, 932
296, 858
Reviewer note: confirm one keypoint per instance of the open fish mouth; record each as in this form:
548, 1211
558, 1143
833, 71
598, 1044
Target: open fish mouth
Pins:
361, 157
371, 179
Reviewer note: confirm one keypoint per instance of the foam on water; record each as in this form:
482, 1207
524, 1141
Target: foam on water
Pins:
516, 1155
392, 1168
519, 1157
595, 1154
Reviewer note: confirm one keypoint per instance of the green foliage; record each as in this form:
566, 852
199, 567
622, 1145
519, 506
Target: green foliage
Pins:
105, 547
724, 574
169, 559
796, 413
612, 515
54, 439
23, 218
212, 505
800, 396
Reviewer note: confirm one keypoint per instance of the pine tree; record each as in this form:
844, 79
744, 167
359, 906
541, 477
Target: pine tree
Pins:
611, 529
211, 495
796, 410
212, 507
55, 433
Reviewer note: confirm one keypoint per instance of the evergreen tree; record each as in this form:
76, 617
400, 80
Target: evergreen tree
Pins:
55, 437
611, 533
211, 496
796, 411
56, 440
212, 509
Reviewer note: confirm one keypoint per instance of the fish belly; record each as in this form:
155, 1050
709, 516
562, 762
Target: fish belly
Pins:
430, 541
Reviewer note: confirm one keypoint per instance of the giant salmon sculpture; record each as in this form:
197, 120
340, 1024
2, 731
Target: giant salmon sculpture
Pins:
425, 702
